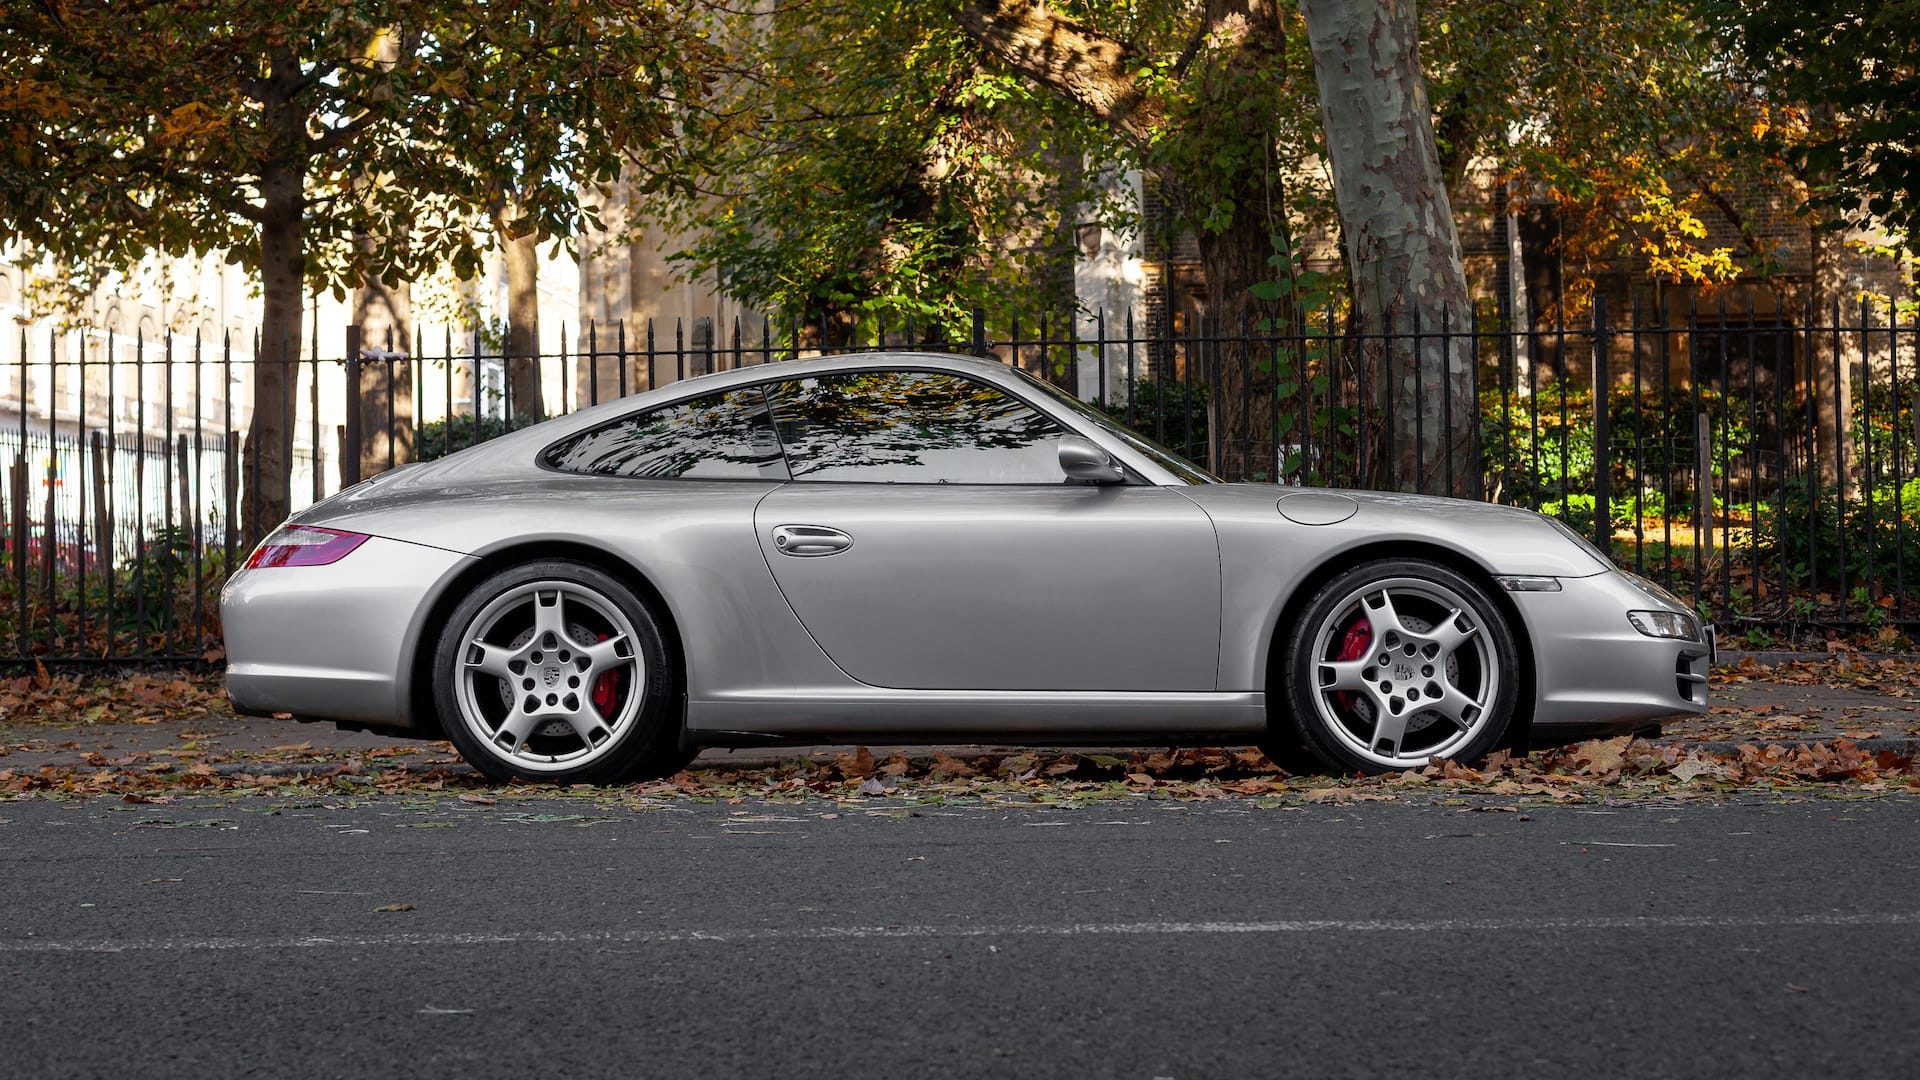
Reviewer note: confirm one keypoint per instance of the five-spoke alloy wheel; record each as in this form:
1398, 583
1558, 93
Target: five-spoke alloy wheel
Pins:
1397, 662
556, 671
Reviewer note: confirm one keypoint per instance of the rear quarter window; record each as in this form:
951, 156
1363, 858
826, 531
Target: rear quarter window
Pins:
724, 436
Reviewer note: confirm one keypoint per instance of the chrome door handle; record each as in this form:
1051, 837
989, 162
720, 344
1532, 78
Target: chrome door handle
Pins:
810, 541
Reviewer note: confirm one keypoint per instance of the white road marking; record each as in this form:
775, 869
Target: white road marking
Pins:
1003, 930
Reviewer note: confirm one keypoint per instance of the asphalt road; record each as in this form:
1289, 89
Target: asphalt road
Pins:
556, 938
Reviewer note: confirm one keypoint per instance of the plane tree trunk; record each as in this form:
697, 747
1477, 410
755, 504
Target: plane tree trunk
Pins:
1402, 250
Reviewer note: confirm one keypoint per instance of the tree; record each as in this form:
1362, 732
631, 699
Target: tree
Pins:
1627, 114
239, 126
1199, 96
1849, 72
869, 172
1397, 225
521, 253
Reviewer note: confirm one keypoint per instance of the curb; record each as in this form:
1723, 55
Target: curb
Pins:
1777, 657
1902, 745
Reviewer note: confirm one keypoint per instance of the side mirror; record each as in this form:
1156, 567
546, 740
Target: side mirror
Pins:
1085, 463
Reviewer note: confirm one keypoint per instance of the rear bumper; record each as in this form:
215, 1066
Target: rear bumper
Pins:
332, 642
1592, 669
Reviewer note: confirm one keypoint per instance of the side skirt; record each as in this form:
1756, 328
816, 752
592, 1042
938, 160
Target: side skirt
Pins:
877, 715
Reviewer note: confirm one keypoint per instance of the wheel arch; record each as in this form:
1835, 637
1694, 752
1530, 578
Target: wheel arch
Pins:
419, 665
1346, 559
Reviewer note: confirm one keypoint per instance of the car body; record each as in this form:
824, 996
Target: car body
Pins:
1151, 606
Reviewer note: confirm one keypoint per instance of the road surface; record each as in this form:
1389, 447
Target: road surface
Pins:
563, 937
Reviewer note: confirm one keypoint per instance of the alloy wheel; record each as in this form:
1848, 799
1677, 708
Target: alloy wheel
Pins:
549, 677
1403, 671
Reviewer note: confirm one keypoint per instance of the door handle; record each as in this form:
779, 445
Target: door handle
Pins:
810, 541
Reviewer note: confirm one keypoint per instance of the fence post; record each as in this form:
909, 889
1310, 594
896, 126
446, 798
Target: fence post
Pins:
350, 455
103, 510
21, 511
979, 344
230, 493
1602, 432
1703, 480
17, 493
182, 456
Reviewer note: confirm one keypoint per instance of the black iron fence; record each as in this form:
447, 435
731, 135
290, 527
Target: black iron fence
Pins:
1763, 465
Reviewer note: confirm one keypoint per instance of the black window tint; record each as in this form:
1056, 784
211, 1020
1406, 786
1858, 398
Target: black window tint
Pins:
912, 427
719, 437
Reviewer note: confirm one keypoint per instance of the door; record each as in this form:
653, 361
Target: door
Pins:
930, 541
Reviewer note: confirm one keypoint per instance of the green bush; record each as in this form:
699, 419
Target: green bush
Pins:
154, 597
1816, 536
1527, 445
439, 438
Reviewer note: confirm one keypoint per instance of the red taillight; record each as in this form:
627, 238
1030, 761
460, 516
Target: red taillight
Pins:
304, 545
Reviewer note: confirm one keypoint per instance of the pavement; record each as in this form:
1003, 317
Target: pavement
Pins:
1744, 709
579, 937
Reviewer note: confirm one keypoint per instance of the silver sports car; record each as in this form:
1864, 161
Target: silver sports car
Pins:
903, 547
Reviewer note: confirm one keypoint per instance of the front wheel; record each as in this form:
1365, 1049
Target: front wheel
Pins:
555, 671
1397, 662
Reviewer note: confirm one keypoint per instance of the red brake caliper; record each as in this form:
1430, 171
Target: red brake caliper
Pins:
1353, 645
606, 689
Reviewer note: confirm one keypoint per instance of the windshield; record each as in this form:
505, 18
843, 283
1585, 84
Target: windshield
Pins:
1186, 471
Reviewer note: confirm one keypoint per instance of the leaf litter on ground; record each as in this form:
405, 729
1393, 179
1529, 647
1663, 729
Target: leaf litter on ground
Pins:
1603, 768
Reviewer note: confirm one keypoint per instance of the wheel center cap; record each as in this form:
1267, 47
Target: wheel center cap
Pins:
551, 676
1404, 672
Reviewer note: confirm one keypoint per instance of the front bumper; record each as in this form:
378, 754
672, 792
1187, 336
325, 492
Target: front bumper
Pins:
1592, 669
332, 642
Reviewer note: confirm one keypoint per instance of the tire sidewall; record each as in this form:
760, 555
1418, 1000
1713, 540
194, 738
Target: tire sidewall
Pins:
648, 744
1308, 728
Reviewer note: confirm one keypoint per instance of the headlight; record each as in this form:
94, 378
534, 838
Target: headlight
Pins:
1665, 624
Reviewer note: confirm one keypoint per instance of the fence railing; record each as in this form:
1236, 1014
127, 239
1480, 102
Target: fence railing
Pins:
1763, 466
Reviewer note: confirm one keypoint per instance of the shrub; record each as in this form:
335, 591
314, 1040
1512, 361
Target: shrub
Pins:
1817, 536
438, 438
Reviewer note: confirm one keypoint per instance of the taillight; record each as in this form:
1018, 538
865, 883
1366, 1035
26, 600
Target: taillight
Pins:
304, 545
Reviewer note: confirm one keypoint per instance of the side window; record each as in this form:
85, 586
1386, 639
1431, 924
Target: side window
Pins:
912, 427
725, 436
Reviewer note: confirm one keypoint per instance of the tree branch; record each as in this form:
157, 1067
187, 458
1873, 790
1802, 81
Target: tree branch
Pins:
1058, 53
333, 138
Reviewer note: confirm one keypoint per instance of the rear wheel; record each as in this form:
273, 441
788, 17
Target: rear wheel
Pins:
1397, 662
556, 671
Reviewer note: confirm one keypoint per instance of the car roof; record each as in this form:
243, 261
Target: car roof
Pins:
749, 374
850, 361
515, 453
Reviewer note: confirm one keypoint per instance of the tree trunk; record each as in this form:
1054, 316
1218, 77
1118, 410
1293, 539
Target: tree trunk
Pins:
1245, 418
522, 255
1831, 358
283, 272
1398, 228
384, 314
1103, 78
283, 260
1243, 421
383, 310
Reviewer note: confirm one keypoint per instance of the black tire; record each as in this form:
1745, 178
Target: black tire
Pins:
1282, 745
650, 743
1340, 736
